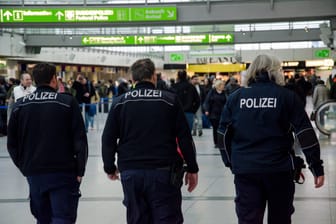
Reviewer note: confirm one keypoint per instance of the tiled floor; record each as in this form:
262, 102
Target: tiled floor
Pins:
211, 203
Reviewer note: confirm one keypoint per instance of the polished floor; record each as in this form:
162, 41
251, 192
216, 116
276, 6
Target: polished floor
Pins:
211, 203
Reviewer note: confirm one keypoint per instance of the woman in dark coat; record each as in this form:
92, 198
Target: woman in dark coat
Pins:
213, 105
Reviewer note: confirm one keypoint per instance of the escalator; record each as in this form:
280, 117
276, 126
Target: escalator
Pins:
325, 117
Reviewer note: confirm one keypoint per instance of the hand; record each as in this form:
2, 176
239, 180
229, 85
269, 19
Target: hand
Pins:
86, 94
319, 181
114, 176
206, 113
79, 179
191, 179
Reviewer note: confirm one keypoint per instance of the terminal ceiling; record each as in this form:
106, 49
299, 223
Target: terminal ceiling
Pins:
193, 17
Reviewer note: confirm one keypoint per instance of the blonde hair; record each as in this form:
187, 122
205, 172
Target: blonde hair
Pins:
268, 63
218, 82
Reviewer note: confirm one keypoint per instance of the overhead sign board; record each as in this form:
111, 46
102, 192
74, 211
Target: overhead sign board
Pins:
158, 39
78, 15
176, 57
322, 53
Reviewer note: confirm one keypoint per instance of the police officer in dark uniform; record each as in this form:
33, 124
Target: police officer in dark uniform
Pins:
143, 127
256, 139
47, 142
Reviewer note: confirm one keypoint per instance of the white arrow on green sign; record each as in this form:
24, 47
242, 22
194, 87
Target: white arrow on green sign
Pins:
77, 15
158, 39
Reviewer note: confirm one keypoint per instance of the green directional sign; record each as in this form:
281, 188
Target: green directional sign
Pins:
176, 57
158, 39
108, 40
322, 53
77, 15
221, 38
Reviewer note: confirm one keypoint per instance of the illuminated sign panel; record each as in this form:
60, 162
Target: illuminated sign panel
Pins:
176, 57
158, 39
73, 15
322, 53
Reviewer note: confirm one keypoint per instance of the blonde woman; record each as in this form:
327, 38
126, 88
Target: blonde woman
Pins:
255, 140
213, 106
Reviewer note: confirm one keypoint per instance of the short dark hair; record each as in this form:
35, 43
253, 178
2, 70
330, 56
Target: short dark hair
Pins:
43, 73
142, 69
182, 75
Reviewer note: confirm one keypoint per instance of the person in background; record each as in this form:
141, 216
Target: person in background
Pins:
103, 93
207, 86
171, 83
198, 124
142, 128
231, 85
3, 110
91, 114
161, 84
84, 92
255, 138
123, 86
320, 95
302, 87
188, 96
62, 87
312, 77
331, 84
213, 106
52, 155
26, 87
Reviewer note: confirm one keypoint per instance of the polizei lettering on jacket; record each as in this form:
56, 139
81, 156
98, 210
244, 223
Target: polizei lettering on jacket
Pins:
258, 102
41, 96
143, 93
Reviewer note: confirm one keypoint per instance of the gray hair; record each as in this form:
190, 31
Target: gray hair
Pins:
268, 63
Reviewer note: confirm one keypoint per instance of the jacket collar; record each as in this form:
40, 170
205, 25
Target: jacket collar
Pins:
144, 85
45, 88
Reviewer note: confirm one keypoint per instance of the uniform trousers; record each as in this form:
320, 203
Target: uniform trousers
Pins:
254, 191
150, 198
54, 198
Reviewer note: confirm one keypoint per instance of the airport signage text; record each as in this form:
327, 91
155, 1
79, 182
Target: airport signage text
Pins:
78, 15
158, 39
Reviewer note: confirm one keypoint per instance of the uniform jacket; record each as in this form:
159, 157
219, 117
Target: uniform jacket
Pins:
142, 127
46, 134
256, 128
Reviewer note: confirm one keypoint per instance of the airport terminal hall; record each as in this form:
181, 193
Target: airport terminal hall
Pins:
168, 111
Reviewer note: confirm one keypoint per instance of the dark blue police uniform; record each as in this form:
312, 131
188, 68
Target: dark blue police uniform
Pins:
142, 128
47, 142
255, 137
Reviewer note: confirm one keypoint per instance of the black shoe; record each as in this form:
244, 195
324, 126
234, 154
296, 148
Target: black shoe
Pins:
200, 133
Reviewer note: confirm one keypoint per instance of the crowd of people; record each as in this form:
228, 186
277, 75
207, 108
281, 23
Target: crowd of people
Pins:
253, 123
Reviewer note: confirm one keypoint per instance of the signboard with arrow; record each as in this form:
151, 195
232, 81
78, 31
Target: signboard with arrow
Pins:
77, 15
158, 39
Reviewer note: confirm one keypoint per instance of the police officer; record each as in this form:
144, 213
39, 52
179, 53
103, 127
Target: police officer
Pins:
142, 127
47, 142
255, 134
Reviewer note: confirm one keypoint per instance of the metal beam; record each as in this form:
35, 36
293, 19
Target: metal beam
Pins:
222, 12
240, 38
